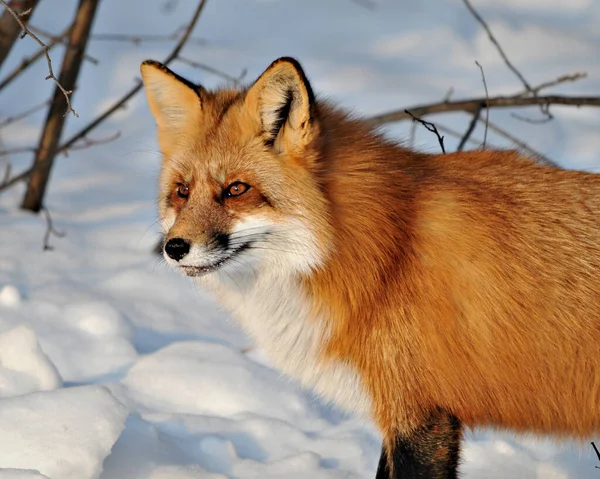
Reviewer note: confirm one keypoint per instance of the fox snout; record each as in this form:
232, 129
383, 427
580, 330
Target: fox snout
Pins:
198, 257
177, 248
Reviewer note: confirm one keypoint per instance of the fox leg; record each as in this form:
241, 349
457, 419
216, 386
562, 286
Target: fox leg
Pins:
429, 452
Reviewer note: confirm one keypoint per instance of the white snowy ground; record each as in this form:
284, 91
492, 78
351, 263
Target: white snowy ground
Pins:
114, 367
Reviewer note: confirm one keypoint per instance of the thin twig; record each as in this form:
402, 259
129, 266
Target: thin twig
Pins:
561, 79
597, 453
469, 131
520, 143
82, 134
19, 116
46, 49
487, 105
15, 179
413, 132
30, 60
496, 44
430, 127
10, 30
139, 39
50, 230
235, 80
449, 94
7, 172
85, 143
456, 134
131, 93
62, 39
535, 121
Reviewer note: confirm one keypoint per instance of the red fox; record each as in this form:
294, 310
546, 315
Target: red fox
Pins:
425, 292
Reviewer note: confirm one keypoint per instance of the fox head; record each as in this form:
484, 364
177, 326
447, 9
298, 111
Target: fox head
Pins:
238, 188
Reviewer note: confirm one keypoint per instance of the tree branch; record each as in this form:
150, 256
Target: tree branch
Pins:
201, 66
497, 45
28, 61
46, 49
71, 65
9, 30
520, 143
131, 93
82, 134
139, 39
471, 106
61, 39
487, 104
19, 116
430, 127
469, 131
50, 230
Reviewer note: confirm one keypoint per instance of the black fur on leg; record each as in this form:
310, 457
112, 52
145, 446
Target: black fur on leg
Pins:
429, 452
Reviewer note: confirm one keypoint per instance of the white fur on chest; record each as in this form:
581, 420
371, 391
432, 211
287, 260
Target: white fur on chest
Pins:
276, 313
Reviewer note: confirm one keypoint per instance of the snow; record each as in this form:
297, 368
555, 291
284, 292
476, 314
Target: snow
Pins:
65, 433
114, 367
24, 367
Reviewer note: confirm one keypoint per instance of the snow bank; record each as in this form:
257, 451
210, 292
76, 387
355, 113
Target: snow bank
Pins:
63, 434
194, 377
24, 368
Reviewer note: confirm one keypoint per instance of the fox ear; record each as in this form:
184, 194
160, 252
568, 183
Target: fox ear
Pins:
175, 102
284, 104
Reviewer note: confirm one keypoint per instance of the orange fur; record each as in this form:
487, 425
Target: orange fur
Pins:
468, 281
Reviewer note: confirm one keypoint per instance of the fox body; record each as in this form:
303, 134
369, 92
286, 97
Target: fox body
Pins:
422, 291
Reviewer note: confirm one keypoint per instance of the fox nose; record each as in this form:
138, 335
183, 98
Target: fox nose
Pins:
177, 248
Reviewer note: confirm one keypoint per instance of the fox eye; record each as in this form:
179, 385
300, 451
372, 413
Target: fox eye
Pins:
183, 191
236, 189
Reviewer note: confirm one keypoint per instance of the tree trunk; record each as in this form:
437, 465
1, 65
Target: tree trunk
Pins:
55, 121
9, 28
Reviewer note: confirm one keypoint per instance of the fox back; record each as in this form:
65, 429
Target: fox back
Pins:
393, 282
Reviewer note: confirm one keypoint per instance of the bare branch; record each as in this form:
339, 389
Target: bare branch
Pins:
82, 145
7, 172
487, 105
235, 80
597, 453
521, 144
449, 94
82, 134
496, 44
471, 106
10, 30
30, 111
28, 61
55, 120
46, 49
9, 182
430, 127
139, 39
561, 79
50, 230
457, 134
62, 39
469, 131
131, 93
